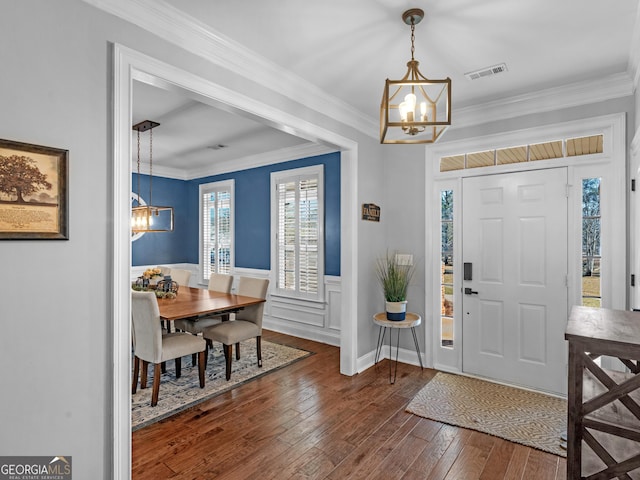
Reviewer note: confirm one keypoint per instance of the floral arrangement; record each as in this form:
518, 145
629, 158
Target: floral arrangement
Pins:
152, 272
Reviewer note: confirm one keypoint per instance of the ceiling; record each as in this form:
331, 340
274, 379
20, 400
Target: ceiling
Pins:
348, 49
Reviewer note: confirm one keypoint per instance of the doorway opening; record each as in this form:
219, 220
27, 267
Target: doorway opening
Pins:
130, 66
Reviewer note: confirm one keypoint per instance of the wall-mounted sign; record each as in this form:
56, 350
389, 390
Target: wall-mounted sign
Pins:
371, 212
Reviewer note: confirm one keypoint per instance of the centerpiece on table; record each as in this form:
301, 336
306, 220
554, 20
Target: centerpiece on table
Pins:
151, 276
394, 278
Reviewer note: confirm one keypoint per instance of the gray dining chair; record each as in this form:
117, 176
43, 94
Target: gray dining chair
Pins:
152, 346
247, 323
218, 282
180, 276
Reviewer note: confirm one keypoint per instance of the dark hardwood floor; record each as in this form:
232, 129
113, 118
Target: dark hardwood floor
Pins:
308, 421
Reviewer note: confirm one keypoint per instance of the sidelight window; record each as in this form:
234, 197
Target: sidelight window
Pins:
591, 228
447, 262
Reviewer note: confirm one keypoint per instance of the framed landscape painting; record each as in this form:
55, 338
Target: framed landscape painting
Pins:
33, 192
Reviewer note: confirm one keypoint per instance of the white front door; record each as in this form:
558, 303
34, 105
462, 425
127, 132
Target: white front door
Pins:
515, 303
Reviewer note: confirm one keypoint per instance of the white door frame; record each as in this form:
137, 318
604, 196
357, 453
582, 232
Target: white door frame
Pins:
130, 65
610, 165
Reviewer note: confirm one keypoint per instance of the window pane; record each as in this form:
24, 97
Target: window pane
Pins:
448, 164
216, 232
299, 235
584, 145
481, 159
447, 263
511, 155
591, 291
308, 230
287, 235
545, 151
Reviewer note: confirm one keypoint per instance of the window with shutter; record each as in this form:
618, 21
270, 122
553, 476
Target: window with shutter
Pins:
299, 227
216, 227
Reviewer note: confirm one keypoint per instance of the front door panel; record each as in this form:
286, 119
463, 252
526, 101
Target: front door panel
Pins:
515, 234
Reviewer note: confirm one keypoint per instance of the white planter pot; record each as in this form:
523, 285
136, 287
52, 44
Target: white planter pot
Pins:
396, 311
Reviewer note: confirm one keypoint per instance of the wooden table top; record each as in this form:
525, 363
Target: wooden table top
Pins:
604, 326
411, 320
197, 301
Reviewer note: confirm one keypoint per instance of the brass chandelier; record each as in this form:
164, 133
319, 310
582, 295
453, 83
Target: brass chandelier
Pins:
149, 218
414, 109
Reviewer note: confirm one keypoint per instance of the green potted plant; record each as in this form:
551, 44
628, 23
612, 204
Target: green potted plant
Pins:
394, 278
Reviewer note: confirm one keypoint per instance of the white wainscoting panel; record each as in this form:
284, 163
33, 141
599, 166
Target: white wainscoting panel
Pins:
313, 320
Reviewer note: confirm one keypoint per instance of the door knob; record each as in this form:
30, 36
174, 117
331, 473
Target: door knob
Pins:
468, 291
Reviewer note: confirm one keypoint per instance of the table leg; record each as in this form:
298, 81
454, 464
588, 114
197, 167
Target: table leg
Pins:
415, 340
574, 412
395, 373
381, 332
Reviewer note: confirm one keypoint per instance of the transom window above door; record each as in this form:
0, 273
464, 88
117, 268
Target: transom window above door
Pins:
570, 147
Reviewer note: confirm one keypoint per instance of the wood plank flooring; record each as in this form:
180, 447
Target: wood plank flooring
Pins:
306, 421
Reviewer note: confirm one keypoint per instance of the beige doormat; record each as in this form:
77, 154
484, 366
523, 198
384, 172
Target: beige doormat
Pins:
529, 418
177, 395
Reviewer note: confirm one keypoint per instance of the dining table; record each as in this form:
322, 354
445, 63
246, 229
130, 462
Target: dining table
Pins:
191, 302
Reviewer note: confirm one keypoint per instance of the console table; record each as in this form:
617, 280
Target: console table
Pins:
603, 427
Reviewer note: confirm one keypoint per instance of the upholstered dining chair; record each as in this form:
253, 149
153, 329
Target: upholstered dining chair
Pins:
180, 276
218, 282
151, 346
164, 270
247, 324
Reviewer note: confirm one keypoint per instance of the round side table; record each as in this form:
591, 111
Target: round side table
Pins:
412, 320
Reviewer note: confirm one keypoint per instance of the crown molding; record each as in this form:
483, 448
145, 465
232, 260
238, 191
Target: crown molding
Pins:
259, 160
244, 163
557, 98
175, 26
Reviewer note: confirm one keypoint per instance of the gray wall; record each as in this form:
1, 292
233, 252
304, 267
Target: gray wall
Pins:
55, 295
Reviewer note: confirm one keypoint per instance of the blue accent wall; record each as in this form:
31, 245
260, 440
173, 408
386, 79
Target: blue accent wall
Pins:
252, 216
158, 248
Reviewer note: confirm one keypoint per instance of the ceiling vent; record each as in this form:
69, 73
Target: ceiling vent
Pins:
487, 72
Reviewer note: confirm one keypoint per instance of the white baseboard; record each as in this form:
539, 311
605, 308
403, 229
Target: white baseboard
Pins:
405, 355
329, 338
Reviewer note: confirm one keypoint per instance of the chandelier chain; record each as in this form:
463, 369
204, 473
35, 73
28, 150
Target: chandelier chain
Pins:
413, 37
138, 168
150, 166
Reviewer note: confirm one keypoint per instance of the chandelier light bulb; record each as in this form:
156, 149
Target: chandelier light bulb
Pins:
410, 99
403, 111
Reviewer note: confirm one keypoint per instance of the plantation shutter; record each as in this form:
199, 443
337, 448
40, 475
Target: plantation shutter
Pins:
216, 232
298, 235
308, 240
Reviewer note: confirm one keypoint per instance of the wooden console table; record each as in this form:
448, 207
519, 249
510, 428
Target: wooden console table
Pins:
603, 405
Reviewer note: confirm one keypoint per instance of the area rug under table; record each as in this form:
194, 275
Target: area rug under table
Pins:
180, 394
517, 415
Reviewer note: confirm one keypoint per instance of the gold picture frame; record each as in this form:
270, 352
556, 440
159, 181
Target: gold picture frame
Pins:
33, 192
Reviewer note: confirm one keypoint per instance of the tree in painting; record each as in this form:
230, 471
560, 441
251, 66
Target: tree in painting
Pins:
20, 177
